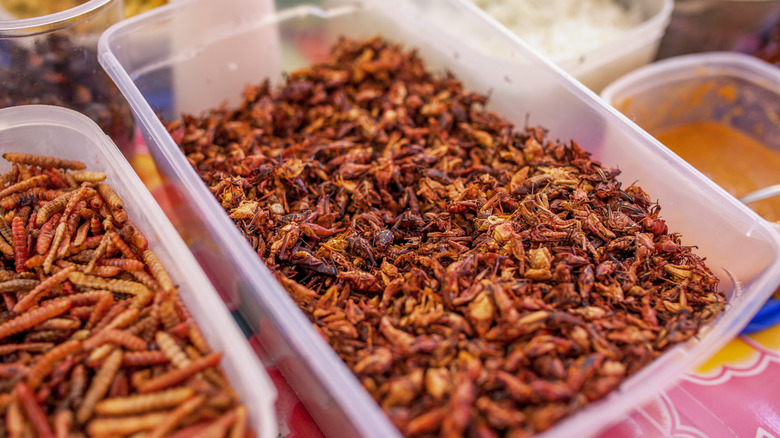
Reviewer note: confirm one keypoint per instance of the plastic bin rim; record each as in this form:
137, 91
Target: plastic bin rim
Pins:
25, 27
669, 69
35, 114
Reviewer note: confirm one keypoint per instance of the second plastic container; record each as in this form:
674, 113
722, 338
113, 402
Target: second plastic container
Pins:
63, 133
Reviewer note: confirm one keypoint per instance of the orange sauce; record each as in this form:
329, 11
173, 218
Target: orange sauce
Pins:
735, 161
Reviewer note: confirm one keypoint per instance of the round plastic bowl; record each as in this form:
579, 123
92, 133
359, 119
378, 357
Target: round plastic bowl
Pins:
630, 50
52, 59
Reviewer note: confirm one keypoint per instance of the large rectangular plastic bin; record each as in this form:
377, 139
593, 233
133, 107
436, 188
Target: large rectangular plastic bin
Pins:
64, 133
196, 54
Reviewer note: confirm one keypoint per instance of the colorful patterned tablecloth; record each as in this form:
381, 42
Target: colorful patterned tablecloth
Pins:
734, 394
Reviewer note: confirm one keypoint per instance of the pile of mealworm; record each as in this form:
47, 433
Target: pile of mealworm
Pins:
94, 339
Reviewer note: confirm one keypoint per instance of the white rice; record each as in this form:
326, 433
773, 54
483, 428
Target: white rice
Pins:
564, 29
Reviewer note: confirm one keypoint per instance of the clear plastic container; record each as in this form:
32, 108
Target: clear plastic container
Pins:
733, 89
727, 87
632, 49
196, 54
60, 132
52, 59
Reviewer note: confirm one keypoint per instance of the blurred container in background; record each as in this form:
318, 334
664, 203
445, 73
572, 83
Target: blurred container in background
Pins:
52, 59
714, 25
720, 111
595, 41
135, 7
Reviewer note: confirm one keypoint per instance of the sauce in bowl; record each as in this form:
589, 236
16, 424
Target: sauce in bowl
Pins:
732, 159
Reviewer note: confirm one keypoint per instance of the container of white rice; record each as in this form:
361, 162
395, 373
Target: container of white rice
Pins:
596, 41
